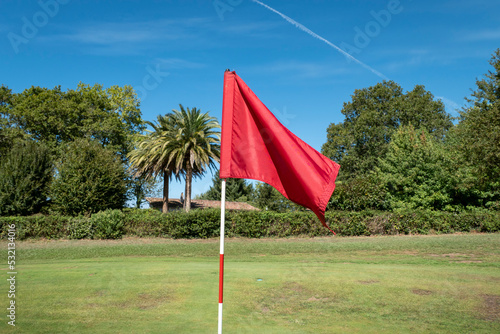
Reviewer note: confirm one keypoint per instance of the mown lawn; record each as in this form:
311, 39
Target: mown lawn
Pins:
398, 284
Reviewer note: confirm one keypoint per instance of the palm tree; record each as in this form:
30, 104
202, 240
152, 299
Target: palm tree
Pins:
196, 146
152, 156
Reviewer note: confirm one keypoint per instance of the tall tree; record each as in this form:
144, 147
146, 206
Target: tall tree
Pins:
196, 146
9, 133
152, 155
479, 131
372, 117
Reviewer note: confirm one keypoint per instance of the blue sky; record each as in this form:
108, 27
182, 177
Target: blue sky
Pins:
176, 52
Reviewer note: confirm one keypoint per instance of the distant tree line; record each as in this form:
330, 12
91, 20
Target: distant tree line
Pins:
87, 149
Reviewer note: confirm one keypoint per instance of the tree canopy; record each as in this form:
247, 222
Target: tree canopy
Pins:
8, 132
372, 117
54, 116
480, 125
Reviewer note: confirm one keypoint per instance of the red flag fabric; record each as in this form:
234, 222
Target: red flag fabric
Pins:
255, 145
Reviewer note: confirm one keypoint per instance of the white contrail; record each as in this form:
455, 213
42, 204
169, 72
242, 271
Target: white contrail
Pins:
313, 34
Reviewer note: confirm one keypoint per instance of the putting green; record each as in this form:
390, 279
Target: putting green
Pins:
438, 284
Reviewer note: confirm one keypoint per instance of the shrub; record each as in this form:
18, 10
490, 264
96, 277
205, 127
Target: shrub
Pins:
113, 224
260, 224
25, 175
107, 224
80, 228
143, 222
89, 179
415, 171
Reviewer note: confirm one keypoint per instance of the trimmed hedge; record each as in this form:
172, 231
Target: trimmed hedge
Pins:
36, 226
251, 224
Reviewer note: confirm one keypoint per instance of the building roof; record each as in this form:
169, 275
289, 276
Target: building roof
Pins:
201, 204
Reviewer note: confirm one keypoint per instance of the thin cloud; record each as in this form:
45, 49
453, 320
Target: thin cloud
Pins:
137, 32
98, 36
130, 32
483, 35
128, 38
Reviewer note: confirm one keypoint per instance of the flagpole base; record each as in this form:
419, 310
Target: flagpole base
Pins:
220, 319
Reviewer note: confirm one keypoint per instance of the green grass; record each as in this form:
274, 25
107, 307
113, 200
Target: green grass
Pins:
406, 284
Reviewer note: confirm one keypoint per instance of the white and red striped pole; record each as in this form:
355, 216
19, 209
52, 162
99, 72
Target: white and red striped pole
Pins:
221, 256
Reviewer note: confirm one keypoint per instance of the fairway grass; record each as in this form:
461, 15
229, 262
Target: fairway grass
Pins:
397, 284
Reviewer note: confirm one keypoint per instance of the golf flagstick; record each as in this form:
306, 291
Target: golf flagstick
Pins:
221, 257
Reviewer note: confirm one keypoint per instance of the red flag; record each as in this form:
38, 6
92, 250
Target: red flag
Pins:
255, 145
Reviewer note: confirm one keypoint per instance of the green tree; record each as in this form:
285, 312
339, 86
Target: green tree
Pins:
54, 117
46, 115
140, 187
9, 131
196, 146
415, 171
372, 117
89, 179
236, 190
125, 103
25, 175
268, 198
152, 156
5, 100
478, 132
466, 192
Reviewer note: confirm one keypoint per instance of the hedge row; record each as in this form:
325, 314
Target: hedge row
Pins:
114, 224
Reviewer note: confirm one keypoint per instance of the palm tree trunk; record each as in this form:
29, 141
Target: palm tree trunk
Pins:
189, 178
165, 192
